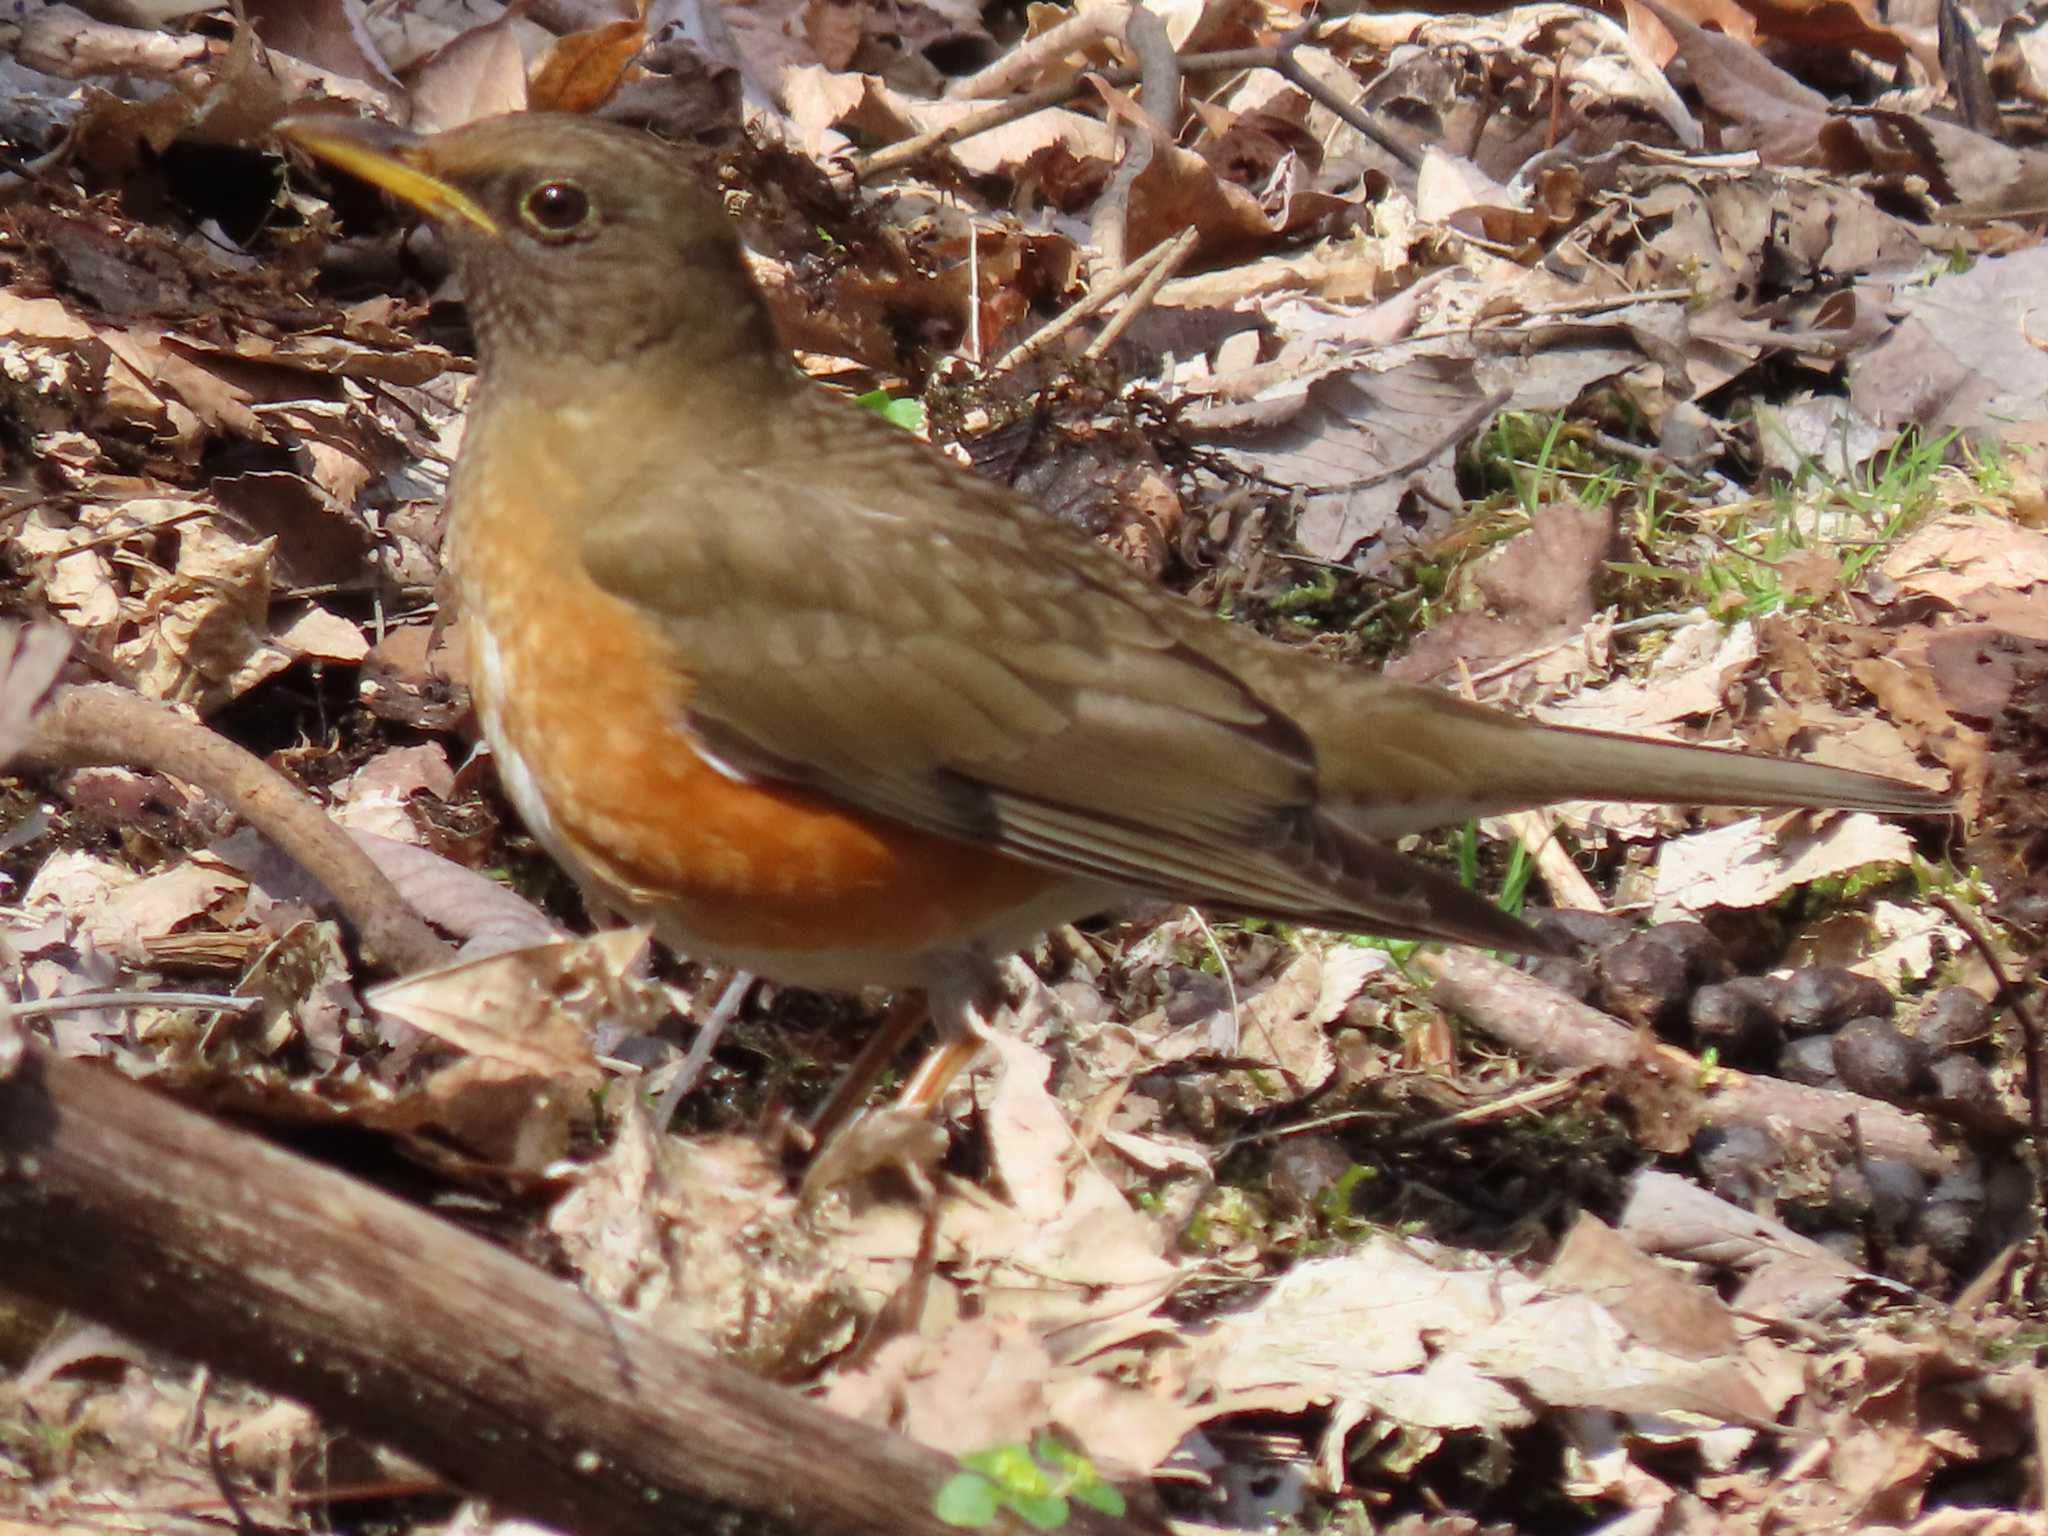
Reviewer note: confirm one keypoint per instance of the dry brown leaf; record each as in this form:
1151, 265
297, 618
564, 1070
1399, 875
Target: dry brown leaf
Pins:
1537, 588
126, 920
1422, 1336
1787, 1275
1753, 862
533, 1010
198, 632
1690, 678
1657, 1304
333, 34
476, 74
1654, 28
1963, 559
1959, 355
580, 71
376, 797
488, 917
705, 1242
1738, 82
1453, 191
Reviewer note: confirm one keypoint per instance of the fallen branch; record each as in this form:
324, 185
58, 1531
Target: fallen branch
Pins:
102, 726
1537, 1020
213, 1244
1141, 126
63, 41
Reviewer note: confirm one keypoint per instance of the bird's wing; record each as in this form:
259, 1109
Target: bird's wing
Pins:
872, 624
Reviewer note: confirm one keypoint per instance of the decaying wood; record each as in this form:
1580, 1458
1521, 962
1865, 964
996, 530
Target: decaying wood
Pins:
119, 1204
1541, 1022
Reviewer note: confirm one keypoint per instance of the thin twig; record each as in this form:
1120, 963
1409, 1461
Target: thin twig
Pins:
1287, 65
38, 173
1536, 1019
217, 1464
1020, 63
1177, 251
1587, 306
81, 1002
1649, 456
917, 146
2037, 1405
1229, 988
1278, 57
1097, 297
1145, 132
1302, 1128
973, 291
1521, 1101
122, 535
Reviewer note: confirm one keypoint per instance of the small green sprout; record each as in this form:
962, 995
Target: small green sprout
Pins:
1034, 1483
907, 413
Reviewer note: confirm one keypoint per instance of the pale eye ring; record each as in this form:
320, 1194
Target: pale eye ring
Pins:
556, 208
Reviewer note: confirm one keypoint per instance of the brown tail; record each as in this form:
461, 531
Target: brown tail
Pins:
1565, 764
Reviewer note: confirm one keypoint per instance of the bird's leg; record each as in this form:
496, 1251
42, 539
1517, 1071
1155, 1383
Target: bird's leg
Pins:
906, 1016
967, 991
713, 1025
935, 1074
963, 991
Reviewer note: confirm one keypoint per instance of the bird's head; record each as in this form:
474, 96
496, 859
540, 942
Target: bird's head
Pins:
573, 239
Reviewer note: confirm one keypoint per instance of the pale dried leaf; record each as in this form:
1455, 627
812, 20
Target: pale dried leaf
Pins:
534, 1010
152, 907
375, 798
479, 73
31, 656
1753, 862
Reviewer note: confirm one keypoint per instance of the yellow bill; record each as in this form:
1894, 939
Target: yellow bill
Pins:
386, 157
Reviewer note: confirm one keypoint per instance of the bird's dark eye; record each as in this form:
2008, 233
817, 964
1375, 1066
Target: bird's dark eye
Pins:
556, 208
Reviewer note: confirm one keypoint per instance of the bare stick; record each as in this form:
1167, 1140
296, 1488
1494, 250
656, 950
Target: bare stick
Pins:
103, 726
1291, 68
1567, 884
1095, 299
1079, 31
210, 1243
84, 1002
916, 147
62, 41
1560, 1031
1158, 114
1174, 252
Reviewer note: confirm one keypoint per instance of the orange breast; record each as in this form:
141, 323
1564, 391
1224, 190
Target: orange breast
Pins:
584, 708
